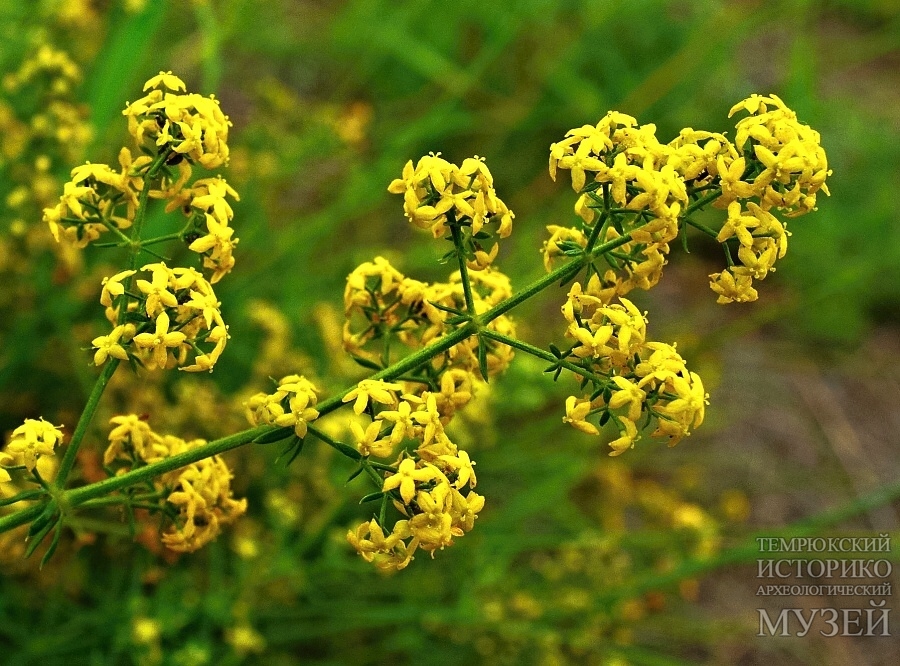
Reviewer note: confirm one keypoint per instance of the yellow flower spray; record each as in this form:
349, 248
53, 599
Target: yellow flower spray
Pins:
430, 346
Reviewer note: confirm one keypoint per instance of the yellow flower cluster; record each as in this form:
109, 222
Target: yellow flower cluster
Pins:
381, 303
629, 183
176, 314
437, 193
215, 241
794, 162
97, 199
635, 380
292, 405
427, 486
31, 440
198, 499
762, 239
783, 166
187, 123
639, 177
205, 203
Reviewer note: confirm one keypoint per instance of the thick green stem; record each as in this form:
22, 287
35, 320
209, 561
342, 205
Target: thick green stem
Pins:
20, 517
405, 365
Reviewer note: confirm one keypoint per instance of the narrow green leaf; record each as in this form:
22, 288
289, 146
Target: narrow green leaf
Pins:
359, 470
447, 308
371, 497
298, 449
22, 496
42, 520
382, 515
366, 363
482, 358
34, 540
118, 65
53, 544
276, 435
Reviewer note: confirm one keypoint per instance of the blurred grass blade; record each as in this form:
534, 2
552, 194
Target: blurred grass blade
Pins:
117, 66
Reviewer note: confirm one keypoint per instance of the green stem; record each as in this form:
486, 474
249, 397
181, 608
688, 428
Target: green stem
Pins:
161, 239
141, 213
81, 495
702, 227
116, 231
84, 421
602, 223
543, 354
407, 364
134, 247
702, 201
564, 272
21, 517
463, 269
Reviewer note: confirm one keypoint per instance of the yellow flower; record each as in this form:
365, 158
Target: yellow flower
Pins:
108, 345
207, 304
33, 439
630, 324
465, 467
372, 389
628, 435
579, 162
576, 414
430, 419
368, 442
160, 341
662, 363
157, 290
404, 426
592, 344
732, 287
738, 224
167, 80
406, 477
628, 394
468, 510
619, 174
113, 287
690, 406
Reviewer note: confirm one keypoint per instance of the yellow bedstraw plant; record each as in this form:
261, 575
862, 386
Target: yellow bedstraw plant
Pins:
430, 346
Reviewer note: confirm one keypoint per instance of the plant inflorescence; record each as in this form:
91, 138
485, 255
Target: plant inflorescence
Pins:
430, 346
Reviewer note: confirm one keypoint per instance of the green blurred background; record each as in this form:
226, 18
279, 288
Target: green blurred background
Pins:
578, 558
